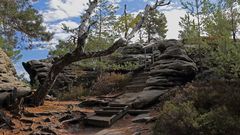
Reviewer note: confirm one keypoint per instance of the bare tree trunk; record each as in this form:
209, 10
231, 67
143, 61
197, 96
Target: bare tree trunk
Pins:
78, 54
140, 36
233, 26
100, 30
126, 21
149, 32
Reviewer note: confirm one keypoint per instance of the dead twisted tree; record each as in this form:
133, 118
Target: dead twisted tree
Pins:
79, 54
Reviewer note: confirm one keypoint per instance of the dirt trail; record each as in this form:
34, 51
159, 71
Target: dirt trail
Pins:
49, 114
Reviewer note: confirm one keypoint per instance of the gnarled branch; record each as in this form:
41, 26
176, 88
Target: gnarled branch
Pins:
78, 54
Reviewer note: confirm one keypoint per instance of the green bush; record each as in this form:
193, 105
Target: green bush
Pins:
177, 119
107, 65
225, 61
202, 109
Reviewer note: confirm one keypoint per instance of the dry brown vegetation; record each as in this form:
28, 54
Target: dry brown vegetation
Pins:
109, 83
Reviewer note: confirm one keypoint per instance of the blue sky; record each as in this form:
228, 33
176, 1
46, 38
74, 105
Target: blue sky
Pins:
57, 12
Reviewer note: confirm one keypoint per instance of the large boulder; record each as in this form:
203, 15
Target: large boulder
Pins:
72, 75
10, 86
172, 67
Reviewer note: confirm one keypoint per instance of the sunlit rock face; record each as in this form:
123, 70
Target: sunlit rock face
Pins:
10, 86
172, 66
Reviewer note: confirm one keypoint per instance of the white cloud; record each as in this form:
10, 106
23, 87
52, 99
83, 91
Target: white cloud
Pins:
173, 14
59, 33
63, 9
173, 19
58, 11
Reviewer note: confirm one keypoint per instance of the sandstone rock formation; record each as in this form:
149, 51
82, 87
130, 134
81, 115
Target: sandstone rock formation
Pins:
133, 53
172, 68
72, 75
9, 83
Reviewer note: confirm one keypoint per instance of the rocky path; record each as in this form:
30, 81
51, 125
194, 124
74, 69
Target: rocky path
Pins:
64, 118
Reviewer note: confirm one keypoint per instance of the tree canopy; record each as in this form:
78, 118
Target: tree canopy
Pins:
20, 21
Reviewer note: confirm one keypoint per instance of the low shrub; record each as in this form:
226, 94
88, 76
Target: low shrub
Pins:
222, 60
202, 109
108, 65
225, 62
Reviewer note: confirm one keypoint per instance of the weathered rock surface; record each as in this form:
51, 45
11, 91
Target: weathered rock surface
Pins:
10, 86
139, 100
143, 118
172, 67
133, 53
71, 76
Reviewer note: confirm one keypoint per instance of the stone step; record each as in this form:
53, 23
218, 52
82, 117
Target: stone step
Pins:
99, 121
107, 112
106, 117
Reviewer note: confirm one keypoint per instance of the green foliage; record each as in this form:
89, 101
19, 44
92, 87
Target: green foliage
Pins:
18, 16
155, 25
190, 33
105, 19
120, 27
233, 14
218, 20
218, 26
177, 119
191, 22
62, 48
97, 44
225, 61
106, 65
221, 60
201, 108
9, 50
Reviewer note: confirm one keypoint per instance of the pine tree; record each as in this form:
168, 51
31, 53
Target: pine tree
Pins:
155, 25
194, 8
233, 14
218, 26
18, 16
125, 22
190, 32
104, 19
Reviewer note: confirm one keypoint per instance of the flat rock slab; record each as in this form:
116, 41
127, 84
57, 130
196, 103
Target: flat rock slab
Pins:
112, 132
142, 118
140, 99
